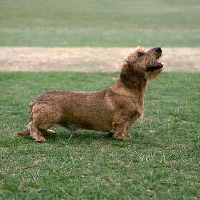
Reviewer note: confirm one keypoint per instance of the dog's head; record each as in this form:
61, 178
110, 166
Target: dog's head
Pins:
142, 64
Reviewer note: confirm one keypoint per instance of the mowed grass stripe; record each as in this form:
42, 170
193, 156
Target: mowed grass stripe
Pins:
99, 37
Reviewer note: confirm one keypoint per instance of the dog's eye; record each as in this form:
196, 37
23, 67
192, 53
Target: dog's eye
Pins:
140, 54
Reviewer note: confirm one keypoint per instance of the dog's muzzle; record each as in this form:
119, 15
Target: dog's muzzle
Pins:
156, 65
158, 49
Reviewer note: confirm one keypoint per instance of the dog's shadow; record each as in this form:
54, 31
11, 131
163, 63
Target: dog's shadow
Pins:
85, 135
82, 137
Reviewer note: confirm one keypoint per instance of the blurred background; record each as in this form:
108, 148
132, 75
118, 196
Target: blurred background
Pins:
100, 23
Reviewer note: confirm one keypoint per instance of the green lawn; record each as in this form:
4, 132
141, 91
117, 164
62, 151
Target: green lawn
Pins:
161, 161
105, 23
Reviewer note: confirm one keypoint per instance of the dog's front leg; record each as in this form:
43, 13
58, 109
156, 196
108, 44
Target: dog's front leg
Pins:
119, 128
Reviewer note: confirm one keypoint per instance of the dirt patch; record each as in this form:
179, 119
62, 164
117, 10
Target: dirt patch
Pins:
88, 59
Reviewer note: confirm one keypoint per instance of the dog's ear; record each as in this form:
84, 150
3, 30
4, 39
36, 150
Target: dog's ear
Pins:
128, 76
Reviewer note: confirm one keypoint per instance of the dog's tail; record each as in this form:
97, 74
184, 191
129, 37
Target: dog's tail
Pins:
24, 133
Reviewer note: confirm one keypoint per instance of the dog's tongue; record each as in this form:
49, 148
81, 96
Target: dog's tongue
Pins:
158, 63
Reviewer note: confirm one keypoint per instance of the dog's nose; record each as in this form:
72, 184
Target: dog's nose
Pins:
158, 49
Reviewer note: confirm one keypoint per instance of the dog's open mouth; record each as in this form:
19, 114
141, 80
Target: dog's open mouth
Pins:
155, 66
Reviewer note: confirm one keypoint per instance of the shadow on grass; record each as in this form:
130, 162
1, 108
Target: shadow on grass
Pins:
84, 137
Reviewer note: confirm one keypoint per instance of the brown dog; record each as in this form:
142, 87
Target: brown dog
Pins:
111, 110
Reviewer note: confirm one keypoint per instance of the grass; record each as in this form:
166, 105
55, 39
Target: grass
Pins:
80, 23
161, 161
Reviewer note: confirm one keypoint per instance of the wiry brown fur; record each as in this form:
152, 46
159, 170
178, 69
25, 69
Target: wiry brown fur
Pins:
111, 110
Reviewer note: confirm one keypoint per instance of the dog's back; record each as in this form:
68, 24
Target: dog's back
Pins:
87, 110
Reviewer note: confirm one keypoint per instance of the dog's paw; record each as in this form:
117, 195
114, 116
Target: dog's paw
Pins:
122, 136
50, 132
127, 136
47, 132
40, 139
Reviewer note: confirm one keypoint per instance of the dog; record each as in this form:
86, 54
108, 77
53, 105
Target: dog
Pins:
113, 110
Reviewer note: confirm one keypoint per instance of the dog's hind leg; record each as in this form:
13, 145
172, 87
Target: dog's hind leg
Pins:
35, 132
24, 133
